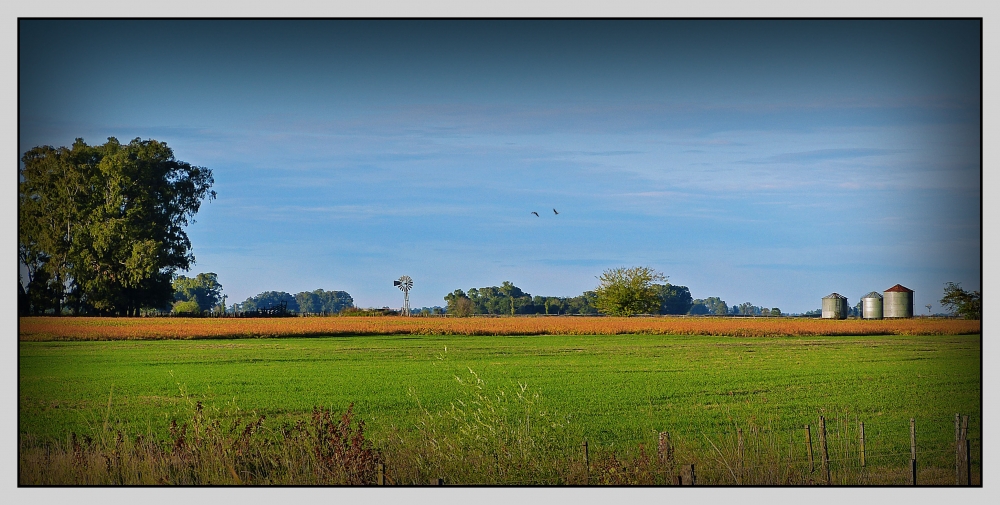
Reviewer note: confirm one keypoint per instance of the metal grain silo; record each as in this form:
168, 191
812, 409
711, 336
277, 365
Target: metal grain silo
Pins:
871, 306
835, 306
897, 301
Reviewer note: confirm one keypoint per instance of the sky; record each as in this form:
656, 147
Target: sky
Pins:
771, 162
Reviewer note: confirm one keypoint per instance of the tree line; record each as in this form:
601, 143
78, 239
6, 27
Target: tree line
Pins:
305, 302
508, 299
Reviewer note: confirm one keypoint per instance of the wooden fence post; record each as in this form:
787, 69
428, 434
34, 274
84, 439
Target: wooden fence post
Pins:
687, 475
822, 446
437, 482
665, 449
739, 443
586, 461
381, 474
913, 451
809, 448
861, 435
958, 451
966, 457
968, 462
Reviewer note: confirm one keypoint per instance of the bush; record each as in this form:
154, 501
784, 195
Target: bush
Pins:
187, 308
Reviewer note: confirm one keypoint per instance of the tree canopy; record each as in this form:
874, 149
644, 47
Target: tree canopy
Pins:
203, 289
674, 299
508, 299
101, 228
323, 302
270, 300
626, 291
959, 301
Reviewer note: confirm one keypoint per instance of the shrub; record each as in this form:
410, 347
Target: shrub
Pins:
187, 308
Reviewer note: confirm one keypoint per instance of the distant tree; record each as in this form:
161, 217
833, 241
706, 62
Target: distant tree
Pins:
203, 289
585, 304
698, 308
674, 299
323, 302
746, 309
554, 305
464, 307
268, 300
716, 305
775, 312
459, 304
959, 301
766, 312
187, 308
626, 291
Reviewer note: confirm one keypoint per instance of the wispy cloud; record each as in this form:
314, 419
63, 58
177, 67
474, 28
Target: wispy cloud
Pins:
820, 155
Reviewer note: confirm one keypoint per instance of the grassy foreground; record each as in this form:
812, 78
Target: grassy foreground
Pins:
474, 409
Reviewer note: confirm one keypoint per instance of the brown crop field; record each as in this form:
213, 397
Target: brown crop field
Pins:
110, 328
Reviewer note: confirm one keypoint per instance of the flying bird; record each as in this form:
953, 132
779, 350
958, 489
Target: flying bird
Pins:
535, 213
556, 211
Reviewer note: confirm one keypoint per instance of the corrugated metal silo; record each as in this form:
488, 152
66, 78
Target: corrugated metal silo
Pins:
835, 306
897, 301
871, 306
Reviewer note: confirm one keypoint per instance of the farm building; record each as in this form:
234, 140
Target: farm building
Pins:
897, 301
835, 306
871, 306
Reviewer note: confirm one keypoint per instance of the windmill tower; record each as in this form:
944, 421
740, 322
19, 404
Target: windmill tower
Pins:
405, 283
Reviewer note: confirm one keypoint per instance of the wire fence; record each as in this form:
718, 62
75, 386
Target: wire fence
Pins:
835, 451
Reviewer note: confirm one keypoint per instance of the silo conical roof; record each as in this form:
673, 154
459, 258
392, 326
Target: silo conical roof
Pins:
835, 295
899, 288
873, 294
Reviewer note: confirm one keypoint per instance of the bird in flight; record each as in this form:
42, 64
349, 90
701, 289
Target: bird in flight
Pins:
556, 211
535, 213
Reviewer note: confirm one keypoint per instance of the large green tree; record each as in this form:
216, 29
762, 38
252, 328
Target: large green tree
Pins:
626, 291
101, 228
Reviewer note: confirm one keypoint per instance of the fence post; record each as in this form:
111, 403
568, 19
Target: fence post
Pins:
958, 451
809, 448
861, 435
437, 482
381, 474
586, 461
739, 443
665, 448
687, 475
822, 446
964, 433
913, 451
968, 462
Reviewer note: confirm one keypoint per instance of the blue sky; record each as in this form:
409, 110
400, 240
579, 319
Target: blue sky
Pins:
764, 161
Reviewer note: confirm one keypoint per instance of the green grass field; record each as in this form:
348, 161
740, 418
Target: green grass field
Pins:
616, 391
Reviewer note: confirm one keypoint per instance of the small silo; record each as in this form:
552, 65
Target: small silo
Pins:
897, 301
871, 306
835, 306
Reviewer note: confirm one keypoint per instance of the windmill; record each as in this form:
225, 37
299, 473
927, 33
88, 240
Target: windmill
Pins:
405, 283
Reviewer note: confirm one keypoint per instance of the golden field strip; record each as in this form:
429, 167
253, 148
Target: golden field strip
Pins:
114, 328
